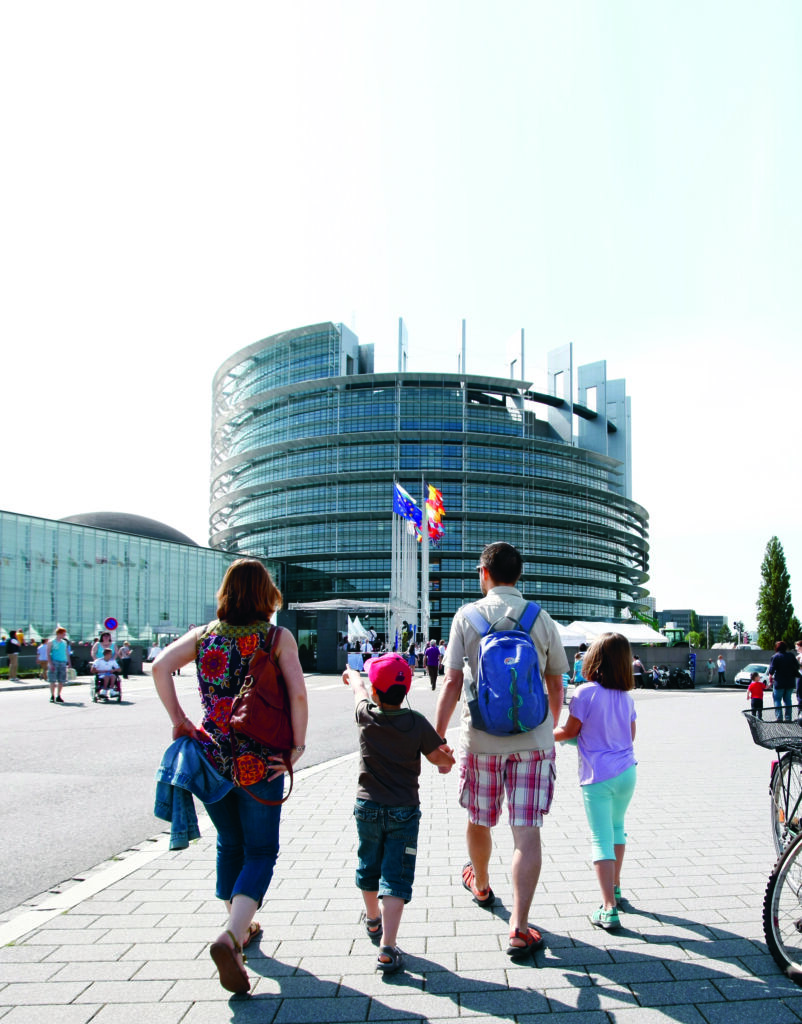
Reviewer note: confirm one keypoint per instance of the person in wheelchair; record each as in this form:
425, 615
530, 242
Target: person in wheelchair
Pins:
107, 671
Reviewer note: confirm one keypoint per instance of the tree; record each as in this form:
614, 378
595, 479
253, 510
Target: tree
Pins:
723, 636
695, 639
774, 607
794, 631
694, 622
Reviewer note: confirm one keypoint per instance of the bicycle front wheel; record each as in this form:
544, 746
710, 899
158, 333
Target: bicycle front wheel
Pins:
786, 800
782, 912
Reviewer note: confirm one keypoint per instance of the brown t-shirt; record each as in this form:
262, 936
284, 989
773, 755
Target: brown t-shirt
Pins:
390, 746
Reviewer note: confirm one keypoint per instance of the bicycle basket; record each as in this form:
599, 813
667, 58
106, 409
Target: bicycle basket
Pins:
772, 734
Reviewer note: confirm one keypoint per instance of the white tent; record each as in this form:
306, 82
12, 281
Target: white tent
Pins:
569, 636
31, 635
356, 631
635, 632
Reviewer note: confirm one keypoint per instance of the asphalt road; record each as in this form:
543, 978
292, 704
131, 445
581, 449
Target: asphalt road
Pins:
77, 779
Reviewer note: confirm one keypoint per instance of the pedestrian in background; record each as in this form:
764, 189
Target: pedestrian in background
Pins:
58, 661
721, 667
103, 644
13, 647
601, 717
754, 694
41, 659
783, 674
124, 657
431, 659
798, 650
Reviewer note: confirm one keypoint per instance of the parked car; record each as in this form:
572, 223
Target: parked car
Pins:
743, 677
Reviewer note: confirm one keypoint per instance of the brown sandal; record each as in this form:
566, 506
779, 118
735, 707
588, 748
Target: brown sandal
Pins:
482, 897
531, 938
254, 929
232, 974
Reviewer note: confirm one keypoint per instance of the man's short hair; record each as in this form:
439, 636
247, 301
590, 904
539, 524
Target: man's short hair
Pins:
503, 562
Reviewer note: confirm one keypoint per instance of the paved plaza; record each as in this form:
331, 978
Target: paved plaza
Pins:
129, 943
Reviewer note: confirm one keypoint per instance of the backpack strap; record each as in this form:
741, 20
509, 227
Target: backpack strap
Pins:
476, 619
530, 613
482, 626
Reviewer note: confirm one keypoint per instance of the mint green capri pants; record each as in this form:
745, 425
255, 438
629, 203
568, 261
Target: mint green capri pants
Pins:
605, 806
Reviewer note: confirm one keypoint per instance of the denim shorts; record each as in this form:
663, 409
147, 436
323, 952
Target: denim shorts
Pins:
388, 845
58, 673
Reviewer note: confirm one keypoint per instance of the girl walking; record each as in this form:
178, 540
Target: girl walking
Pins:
601, 716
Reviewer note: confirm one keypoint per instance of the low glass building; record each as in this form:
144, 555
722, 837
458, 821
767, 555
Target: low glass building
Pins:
307, 442
77, 573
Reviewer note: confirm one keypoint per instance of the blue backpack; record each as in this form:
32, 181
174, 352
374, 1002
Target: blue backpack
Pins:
507, 695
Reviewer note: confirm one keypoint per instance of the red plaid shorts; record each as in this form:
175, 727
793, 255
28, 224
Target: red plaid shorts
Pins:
526, 777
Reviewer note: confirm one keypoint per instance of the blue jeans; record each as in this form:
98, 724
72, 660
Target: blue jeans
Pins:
247, 840
388, 845
783, 695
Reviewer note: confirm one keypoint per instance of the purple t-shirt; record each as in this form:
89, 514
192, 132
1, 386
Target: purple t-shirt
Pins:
605, 739
432, 655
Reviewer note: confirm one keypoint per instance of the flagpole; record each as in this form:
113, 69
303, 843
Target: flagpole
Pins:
424, 566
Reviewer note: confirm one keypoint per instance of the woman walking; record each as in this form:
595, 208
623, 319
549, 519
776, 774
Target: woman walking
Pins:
247, 828
601, 716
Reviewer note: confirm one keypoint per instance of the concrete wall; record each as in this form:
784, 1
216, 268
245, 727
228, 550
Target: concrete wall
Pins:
677, 657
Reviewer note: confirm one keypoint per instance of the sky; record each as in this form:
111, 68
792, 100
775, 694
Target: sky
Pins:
182, 179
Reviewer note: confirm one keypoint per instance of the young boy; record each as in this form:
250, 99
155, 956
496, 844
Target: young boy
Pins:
387, 811
108, 673
754, 693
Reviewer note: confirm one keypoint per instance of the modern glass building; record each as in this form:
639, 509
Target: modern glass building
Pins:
307, 441
78, 573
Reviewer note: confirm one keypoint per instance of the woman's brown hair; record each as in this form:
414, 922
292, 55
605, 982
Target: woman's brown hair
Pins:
609, 662
247, 593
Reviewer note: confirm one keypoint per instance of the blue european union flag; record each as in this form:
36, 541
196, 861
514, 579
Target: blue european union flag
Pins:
404, 505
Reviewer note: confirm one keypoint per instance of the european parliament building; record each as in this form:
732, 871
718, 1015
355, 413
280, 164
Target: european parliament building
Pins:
307, 442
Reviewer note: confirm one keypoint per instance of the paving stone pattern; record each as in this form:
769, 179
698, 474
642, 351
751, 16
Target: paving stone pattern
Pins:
691, 948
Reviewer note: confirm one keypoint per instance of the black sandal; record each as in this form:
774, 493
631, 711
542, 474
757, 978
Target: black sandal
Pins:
393, 959
373, 927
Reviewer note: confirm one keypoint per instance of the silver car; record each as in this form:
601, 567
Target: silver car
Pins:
743, 678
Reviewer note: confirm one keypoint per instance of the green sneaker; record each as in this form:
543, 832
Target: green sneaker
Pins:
608, 919
617, 894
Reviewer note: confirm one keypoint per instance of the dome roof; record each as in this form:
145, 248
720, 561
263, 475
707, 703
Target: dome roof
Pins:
124, 522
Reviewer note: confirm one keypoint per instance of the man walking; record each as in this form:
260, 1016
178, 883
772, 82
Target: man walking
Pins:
521, 765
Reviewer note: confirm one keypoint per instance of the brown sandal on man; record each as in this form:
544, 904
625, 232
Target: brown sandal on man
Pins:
232, 974
531, 938
482, 897
254, 929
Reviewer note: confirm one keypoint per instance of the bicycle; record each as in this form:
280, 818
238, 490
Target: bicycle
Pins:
782, 903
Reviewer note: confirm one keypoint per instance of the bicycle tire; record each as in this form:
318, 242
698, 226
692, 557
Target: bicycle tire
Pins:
782, 912
786, 819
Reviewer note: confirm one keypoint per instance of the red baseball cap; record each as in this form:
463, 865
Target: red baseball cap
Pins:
389, 670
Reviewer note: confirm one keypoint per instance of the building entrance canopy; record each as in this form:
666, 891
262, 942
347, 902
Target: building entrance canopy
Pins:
339, 605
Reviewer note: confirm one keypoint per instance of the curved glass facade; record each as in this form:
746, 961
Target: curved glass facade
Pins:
58, 573
307, 442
